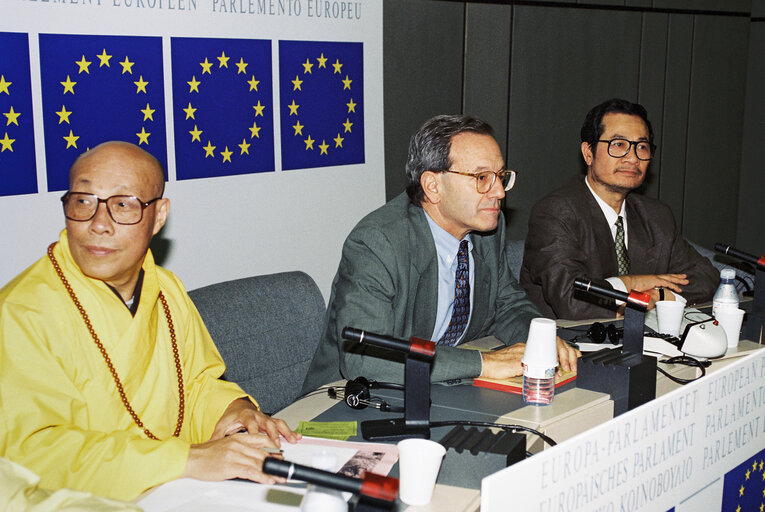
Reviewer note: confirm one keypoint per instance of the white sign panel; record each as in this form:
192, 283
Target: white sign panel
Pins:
700, 447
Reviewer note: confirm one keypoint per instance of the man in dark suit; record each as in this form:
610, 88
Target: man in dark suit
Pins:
596, 227
431, 263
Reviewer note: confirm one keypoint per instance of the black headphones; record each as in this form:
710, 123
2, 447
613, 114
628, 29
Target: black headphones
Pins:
357, 396
598, 333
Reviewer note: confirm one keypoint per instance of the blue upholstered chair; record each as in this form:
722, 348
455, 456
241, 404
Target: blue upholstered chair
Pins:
266, 328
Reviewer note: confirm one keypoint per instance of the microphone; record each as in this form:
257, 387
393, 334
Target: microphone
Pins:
745, 256
415, 345
371, 485
639, 299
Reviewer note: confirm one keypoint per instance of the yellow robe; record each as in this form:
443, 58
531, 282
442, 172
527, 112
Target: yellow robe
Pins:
60, 413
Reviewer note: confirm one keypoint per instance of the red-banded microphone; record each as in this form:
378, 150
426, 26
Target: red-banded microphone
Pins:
745, 256
418, 346
378, 487
639, 299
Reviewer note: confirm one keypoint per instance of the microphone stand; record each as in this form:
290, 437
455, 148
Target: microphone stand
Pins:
419, 358
627, 375
755, 322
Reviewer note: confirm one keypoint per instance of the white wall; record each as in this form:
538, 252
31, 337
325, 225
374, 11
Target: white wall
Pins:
226, 227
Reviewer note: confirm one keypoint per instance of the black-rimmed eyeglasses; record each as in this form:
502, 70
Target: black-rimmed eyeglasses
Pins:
619, 148
81, 207
485, 180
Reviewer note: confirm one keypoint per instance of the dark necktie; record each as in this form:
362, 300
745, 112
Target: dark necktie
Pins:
461, 309
622, 258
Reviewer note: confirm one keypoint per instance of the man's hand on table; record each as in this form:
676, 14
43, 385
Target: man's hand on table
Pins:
506, 362
238, 445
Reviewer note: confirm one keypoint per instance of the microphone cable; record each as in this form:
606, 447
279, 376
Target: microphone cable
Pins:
687, 361
514, 429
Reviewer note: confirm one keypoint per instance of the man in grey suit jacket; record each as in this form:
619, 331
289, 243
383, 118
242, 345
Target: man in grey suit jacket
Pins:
573, 231
397, 272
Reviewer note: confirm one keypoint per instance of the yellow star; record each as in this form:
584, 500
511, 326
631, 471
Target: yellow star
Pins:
738, 509
748, 472
63, 115
741, 491
195, 133
762, 463
143, 137
339, 141
104, 58
189, 111
293, 107
323, 147
244, 146
83, 64
209, 149
347, 83
307, 67
193, 85
258, 109
68, 85
223, 60
4, 85
347, 125
141, 85
762, 507
351, 106
308, 143
241, 66
148, 113
322, 61
254, 130
127, 66
206, 65
253, 83
296, 82
71, 140
7, 143
226, 155
12, 117
337, 66
298, 128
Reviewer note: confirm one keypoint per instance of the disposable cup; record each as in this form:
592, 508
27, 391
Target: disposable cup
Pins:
541, 352
730, 319
419, 461
670, 315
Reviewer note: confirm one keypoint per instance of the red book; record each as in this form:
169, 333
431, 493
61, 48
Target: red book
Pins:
515, 384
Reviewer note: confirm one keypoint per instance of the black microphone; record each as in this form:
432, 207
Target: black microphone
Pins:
380, 487
639, 299
414, 346
745, 256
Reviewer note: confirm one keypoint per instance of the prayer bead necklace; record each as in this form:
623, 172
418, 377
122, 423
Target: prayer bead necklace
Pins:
107, 359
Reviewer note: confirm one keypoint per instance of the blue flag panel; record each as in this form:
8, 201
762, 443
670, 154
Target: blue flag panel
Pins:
100, 88
222, 107
322, 103
18, 169
744, 487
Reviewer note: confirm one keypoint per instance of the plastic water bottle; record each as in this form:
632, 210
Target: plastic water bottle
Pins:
319, 498
726, 295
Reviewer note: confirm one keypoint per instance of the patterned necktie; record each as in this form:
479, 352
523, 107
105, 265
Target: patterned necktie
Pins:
622, 258
461, 309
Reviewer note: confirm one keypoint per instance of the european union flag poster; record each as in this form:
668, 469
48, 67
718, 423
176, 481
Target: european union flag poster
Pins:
321, 87
18, 168
100, 88
222, 107
744, 486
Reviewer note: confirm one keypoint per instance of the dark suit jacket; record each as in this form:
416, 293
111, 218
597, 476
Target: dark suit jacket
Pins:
569, 238
387, 283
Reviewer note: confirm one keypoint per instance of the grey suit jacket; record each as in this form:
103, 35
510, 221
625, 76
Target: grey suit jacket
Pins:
569, 238
387, 283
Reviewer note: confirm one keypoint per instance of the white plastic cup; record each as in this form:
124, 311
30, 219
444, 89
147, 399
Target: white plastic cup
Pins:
669, 314
540, 358
419, 461
730, 319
